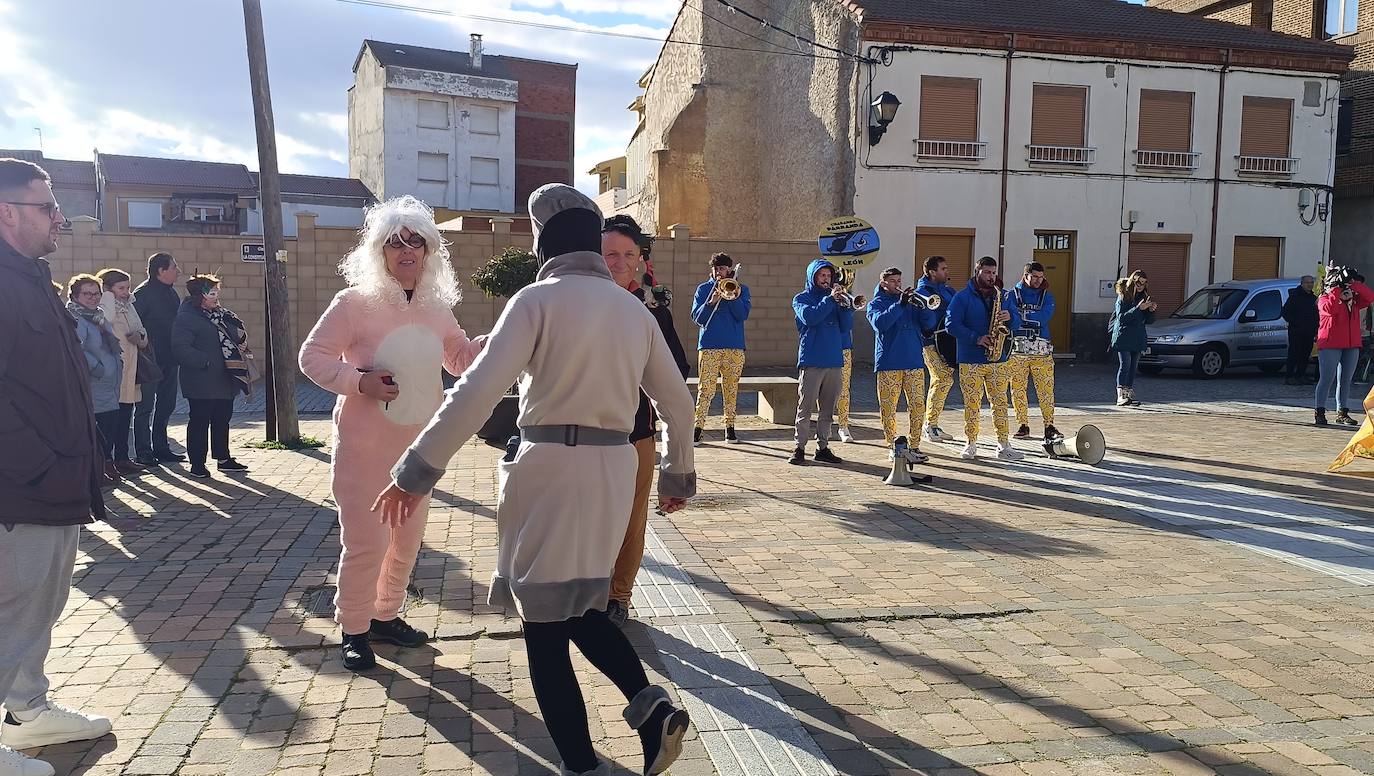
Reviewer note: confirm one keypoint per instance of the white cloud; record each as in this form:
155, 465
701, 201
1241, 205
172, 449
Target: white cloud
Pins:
334, 122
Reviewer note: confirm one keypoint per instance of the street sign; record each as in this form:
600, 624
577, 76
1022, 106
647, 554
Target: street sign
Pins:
253, 252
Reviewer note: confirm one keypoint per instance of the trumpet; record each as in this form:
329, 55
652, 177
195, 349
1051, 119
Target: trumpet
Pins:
913, 297
843, 279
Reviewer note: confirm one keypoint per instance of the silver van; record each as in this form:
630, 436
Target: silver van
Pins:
1236, 323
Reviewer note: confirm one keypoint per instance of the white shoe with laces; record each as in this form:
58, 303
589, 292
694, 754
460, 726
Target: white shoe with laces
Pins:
13, 763
937, 434
1006, 452
55, 724
970, 451
845, 436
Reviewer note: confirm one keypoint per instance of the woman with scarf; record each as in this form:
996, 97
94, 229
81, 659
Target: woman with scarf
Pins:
564, 496
380, 347
104, 359
117, 303
207, 343
625, 248
1133, 312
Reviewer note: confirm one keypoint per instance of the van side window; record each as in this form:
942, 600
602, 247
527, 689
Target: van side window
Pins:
1268, 306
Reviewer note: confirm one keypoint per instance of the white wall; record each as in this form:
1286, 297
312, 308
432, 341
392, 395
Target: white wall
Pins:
405, 140
329, 215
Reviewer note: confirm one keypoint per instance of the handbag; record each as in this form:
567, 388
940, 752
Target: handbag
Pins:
146, 370
251, 364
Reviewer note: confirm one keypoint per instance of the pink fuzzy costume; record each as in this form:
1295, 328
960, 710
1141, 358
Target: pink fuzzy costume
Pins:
410, 340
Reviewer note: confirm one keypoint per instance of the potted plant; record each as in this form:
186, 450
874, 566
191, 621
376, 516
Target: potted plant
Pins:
503, 276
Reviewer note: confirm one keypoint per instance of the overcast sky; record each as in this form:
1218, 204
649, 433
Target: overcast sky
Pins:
164, 78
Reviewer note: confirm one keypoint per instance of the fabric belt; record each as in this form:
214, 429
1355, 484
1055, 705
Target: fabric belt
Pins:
572, 436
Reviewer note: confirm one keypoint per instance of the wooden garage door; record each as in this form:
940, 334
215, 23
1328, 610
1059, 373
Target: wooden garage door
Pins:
1166, 264
1256, 258
957, 250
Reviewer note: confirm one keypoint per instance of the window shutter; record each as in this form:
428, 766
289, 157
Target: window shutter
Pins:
1255, 258
1059, 116
1264, 126
1166, 121
957, 250
1166, 264
949, 108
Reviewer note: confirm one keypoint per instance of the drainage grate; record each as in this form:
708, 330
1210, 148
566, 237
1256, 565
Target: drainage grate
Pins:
319, 601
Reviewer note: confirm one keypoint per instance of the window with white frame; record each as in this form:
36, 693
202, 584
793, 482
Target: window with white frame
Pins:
1342, 17
433, 114
432, 178
204, 213
145, 215
484, 121
485, 184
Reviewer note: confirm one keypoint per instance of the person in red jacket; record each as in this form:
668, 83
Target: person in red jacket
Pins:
1339, 339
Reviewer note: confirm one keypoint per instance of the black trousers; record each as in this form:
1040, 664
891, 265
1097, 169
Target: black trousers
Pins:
555, 685
107, 423
120, 441
1299, 352
150, 419
208, 428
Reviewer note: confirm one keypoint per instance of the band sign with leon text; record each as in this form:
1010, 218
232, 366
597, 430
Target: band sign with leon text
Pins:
851, 240
253, 252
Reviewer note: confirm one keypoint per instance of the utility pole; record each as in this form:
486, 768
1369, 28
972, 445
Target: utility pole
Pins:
280, 349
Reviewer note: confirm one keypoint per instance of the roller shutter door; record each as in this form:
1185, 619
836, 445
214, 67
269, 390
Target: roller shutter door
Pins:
1166, 264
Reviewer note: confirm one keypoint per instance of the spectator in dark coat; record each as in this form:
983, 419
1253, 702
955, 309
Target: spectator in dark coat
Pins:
205, 341
157, 303
1301, 313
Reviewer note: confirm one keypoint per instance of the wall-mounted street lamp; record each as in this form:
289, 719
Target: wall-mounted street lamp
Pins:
881, 113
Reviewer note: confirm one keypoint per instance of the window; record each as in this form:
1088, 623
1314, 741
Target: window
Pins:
1256, 258
210, 213
145, 215
949, 108
432, 178
1267, 306
1345, 125
485, 184
1059, 122
1048, 241
1265, 127
1213, 304
433, 114
1342, 16
1166, 121
484, 121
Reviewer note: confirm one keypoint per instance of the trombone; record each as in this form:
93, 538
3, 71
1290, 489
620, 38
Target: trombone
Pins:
726, 290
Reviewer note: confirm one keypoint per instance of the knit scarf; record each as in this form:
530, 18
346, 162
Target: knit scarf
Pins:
97, 317
229, 346
984, 289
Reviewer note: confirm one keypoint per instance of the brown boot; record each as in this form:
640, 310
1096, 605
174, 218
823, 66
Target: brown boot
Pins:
111, 475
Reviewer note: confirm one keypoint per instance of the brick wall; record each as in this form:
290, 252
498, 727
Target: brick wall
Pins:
544, 133
772, 270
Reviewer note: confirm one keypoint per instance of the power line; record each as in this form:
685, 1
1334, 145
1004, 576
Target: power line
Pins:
793, 35
729, 26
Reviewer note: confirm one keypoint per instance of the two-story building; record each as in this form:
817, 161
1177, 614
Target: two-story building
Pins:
467, 132
73, 182
1095, 137
145, 193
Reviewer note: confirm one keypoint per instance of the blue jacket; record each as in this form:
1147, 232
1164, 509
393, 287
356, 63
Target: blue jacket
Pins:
1036, 306
897, 333
821, 323
726, 331
1128, 327
969, 317
106, 366
934, 319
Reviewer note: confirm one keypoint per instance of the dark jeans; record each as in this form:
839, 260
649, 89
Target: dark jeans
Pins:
1299, 352
108, 425
555, 685
150, 420
208, 427
1128, 361
120, 441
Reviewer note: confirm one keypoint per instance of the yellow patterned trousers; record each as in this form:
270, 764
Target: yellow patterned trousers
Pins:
842, 405
727, 366
975, 380
1041, 369
941, 381
891, 385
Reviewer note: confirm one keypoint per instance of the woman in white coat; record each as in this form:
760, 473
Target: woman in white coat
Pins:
566, 489
118, 305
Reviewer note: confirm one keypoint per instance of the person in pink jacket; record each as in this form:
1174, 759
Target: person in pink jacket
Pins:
1339, 339
380, 346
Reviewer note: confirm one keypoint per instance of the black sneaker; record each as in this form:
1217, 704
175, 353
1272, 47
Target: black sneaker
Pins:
696, 436
199, 472
730, 436
1052, 433
1343, 419
661, 736
167, 456
149, 460
1319, 418
825, 456
230, 465
798, 457
357, 653
397, 632
1022, 432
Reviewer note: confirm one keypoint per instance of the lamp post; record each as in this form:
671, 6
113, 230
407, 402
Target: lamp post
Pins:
881, 113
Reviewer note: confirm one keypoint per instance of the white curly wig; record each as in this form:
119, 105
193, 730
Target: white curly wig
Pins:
365, 266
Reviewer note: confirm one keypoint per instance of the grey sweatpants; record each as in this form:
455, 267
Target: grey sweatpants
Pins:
36, 564
818, 387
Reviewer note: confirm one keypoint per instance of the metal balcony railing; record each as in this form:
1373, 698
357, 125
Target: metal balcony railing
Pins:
1047, 154
1166, 160
1266, 165
961, 150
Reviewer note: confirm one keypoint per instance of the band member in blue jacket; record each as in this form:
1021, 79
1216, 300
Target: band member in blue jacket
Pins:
970, 320
822, 320
720, 346
1032, 353
935, 282
897, 359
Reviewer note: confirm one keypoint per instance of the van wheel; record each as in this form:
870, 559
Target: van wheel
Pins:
1210, 362
1152, 369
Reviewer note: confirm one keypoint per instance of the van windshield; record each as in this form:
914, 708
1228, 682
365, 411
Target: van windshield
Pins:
1211, 304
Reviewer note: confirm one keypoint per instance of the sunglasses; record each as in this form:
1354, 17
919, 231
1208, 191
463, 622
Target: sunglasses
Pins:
414, 241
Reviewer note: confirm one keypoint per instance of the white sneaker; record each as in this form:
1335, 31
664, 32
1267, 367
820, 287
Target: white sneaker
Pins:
937, 434
56, 724
845, 436
13, 763
1006, 452
970, 451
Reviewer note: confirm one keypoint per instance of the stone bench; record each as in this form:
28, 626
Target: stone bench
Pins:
777, 396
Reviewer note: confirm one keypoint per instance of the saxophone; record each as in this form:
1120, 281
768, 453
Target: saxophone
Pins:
997, 331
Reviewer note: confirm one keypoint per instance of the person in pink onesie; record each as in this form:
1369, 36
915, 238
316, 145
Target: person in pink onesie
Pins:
380, 346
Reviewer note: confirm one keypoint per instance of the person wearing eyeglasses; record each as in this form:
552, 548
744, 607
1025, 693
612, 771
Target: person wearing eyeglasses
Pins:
51, 469
105, 356
380, 346
208, 342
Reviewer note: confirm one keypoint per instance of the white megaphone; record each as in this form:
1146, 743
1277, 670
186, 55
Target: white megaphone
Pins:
901, 466
1088, 446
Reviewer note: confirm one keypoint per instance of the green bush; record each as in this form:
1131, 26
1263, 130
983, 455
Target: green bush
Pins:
506, 273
